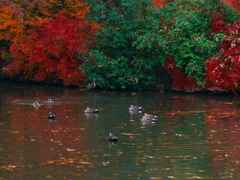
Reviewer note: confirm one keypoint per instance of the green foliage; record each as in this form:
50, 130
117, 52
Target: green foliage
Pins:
119, 72
185, 33
6, 56
137, 37
117, 62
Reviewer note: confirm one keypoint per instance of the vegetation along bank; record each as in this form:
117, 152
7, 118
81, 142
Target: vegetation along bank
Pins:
119, 44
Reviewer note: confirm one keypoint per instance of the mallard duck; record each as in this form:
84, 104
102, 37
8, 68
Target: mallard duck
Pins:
36, 104
135, 108
91, 110
111, 137
149, 117
51, 116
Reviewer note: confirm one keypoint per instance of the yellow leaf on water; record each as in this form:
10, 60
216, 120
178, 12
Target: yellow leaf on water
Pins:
105, 154
8, 167
84, 162
105, 163
14, 132
50, 162
70, 150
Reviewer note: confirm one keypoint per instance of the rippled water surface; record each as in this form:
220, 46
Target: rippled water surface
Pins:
195, 136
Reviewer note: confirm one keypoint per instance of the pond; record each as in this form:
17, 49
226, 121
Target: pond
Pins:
196, 136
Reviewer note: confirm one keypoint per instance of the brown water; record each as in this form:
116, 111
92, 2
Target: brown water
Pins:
195, 136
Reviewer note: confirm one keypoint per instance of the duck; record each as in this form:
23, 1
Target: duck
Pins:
51, 116
91, 110
111, 137
49, 100
135, 108
149, 117
36, 104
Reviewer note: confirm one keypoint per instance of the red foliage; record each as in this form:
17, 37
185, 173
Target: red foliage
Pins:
52, 50
223, 69
180, 80
160, 4
218, 23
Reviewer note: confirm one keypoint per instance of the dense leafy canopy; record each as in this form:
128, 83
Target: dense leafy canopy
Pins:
223, 69
50, 43
185, 34
123, 44
116, 62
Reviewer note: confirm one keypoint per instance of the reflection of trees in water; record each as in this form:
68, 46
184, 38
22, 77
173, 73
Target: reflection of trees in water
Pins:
223, 136
192, 133
33, 140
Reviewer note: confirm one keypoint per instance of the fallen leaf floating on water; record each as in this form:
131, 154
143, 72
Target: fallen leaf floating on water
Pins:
119, 153
105, 163
148, 156
70, 150
14, 132
129, 134
84, 162
105, 154
8, 167
175, 113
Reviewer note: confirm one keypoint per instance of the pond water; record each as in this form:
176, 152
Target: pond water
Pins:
195, 137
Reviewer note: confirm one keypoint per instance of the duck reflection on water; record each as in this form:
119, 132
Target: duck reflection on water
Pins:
135, 108
112, 143
145, 123
149, 117
91, 115
91, 110
49, 100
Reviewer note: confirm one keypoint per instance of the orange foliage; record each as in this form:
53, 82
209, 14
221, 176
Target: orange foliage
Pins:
10, 23
78, 7
48, 38
52, 50
233, 3
16, 15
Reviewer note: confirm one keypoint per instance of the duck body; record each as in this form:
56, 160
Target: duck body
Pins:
36, 104
51, 116
111, 137
149, 117
91, 110
135, 108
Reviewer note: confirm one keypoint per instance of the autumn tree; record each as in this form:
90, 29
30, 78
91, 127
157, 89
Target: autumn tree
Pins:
183, 30
48, 39
53, 51
223, 69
